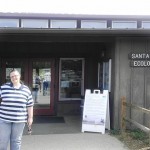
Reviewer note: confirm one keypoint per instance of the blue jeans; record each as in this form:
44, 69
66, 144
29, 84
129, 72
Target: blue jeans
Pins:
11, 132
35, 95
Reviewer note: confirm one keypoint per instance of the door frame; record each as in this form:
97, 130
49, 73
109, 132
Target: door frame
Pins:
51, 110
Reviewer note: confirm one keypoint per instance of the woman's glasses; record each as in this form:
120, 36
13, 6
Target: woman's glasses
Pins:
14, 76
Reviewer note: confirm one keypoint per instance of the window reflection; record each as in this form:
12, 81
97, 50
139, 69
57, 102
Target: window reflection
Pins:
9, 22
10, 65
124, 24
71, 78
34, 23
104, 75
41, 74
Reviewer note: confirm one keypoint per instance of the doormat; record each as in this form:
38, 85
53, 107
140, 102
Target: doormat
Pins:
48, 119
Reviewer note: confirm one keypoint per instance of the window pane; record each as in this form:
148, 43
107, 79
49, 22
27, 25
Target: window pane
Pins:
63, 23
104, 75
10, 65
9, 22
34, 23
93, 24
145, 24
71, 79
41, 80
124, 24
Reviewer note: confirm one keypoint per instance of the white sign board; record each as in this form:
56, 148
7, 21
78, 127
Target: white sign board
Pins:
96, 111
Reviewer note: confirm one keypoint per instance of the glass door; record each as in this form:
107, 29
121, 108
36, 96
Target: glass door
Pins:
37, 75
41, 75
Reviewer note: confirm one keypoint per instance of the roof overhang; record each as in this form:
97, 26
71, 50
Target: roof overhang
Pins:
51, 35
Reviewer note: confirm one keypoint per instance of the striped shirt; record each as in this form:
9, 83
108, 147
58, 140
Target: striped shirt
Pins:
15, 102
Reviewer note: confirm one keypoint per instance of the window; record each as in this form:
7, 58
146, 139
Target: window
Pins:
10, 65
63, 23
104, 75
146, 24
34, 23
124, 24
9, 22
93, 24
71, 79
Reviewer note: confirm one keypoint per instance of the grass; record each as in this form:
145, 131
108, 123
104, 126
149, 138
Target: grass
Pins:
138, 134
134, 139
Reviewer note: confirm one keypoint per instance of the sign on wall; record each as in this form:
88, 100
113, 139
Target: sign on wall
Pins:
96, 116
139, 59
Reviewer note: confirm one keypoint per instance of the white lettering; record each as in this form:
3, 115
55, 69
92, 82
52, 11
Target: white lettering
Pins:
141, 63
135, 63
133, 56
140, 56
147, 56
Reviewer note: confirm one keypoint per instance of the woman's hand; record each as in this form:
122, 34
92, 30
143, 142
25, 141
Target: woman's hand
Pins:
30, 121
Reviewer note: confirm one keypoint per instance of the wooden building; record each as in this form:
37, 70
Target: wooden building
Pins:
72, 53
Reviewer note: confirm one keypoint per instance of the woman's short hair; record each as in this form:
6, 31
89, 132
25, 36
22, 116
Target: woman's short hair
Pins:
14, 70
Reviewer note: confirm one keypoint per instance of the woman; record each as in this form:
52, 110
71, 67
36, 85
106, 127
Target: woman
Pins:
16, 108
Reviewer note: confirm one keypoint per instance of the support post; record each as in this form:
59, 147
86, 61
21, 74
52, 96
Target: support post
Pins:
149, 133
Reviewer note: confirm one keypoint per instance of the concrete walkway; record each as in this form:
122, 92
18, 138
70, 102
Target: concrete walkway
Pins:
68, 136
78, 141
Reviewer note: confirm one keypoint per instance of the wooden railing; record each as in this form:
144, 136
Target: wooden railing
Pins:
124, 119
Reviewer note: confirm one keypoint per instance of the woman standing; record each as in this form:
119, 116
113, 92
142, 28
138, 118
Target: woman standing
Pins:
16, 108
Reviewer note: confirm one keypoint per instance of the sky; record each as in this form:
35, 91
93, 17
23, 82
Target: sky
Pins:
94, 7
